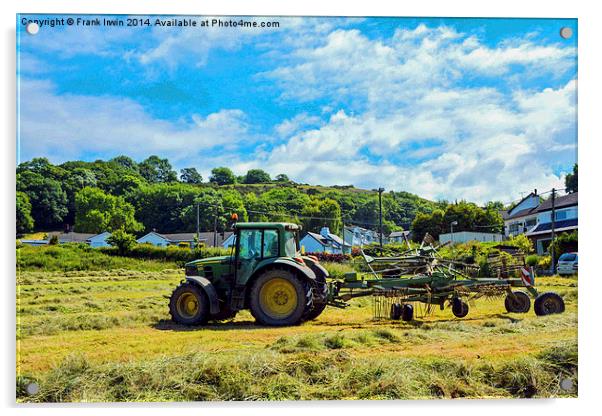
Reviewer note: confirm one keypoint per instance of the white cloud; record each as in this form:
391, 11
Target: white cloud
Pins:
481, 147
347, 65
65, 127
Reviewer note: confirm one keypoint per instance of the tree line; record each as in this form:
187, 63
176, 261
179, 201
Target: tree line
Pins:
122, 194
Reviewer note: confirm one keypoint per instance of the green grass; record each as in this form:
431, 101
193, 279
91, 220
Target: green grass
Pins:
106, 336
80, 257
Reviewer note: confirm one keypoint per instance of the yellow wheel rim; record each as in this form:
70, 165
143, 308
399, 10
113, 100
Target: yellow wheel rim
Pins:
278, 298
187, 305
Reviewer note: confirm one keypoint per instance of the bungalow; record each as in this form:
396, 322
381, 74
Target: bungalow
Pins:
163, 240
358, 236
325, 242
93, 240
565, 220
99, 240
399, 237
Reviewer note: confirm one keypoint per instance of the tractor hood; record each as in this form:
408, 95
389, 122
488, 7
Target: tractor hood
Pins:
209, 260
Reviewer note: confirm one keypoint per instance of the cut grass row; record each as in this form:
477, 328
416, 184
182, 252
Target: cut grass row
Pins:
333, 374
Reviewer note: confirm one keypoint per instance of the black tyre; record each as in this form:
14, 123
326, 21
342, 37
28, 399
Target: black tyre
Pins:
548, 303
279, 297
320, 297
395, 313
517, 302
407, 313
189, 305
459, 308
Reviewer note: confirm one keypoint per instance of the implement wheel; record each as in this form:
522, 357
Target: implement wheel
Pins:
459, 308
278, 298
517, 302
548, 303
189, 305
407, 312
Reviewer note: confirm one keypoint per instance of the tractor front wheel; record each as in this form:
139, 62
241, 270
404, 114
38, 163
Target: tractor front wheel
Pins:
279, 298
517, 302
548, 303
189, 305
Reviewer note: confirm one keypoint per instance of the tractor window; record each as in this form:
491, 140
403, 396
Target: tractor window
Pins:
291, 246
250, 244
270, 243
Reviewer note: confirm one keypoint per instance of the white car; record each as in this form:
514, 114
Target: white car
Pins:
567, 264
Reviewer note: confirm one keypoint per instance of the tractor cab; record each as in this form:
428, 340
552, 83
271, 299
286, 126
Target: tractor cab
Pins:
261, 243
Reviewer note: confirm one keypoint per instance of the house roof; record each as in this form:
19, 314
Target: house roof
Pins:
71, 237
328, 241
206, 237
563, 225
398, 234
560, 202
521, 213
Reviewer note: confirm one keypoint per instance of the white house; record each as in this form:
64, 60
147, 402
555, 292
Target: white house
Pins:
522, 216
466, 236
566, 220
206, 239
358, 236
325, 242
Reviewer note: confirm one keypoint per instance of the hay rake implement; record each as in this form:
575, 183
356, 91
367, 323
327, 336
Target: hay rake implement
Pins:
417, 281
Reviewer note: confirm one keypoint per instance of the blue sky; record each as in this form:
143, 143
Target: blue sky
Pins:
476, 109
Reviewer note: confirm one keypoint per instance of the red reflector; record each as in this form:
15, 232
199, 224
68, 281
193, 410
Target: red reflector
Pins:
299, 260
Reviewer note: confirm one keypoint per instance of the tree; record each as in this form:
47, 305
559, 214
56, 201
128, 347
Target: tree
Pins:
282, 178
428, 223
122, 240
155, 169
317, 211
570, 181
96, 211
47, 197
126, 162
190, 175
222, 176
24, 218
257, 176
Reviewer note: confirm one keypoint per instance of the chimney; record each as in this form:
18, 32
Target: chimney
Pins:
535, 192
324, 231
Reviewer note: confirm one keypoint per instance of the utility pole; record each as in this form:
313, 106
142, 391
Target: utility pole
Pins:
380, 217
552, 254
215, 228
198, 225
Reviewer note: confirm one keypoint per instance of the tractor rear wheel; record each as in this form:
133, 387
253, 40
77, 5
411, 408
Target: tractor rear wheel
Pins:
459, 308
320, 297
548, 303
189, 305
278, 298
517, 302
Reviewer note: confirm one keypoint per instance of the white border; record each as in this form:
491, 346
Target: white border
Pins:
590, 151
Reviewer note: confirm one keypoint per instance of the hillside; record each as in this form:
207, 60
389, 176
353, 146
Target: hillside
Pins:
139, 197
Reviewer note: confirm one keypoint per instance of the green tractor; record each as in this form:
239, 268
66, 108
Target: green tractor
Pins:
265, 273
